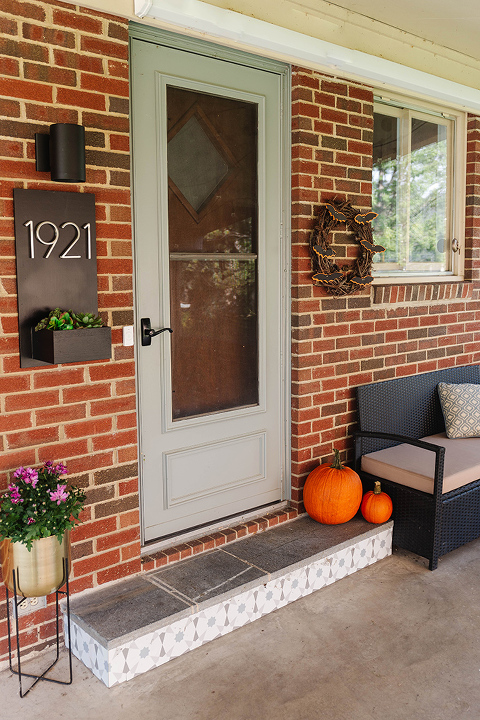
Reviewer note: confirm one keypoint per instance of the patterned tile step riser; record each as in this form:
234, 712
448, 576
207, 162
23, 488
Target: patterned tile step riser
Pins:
149, 650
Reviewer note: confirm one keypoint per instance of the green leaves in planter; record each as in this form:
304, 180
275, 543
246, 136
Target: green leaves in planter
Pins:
56, 320
87, 320
68, 320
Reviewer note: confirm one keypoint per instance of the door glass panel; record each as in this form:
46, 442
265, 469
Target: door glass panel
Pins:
213, 215
195, 166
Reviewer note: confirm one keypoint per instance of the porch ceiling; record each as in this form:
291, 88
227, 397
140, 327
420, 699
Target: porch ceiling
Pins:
455, 25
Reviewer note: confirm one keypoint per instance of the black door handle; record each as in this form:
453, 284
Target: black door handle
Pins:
148, 332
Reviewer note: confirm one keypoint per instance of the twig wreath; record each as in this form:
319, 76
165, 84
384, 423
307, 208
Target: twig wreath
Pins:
345, 279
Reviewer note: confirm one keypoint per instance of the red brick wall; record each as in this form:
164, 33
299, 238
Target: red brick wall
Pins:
381, 332
62, 64
59, 63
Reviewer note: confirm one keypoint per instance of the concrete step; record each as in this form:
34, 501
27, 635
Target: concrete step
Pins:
137, 624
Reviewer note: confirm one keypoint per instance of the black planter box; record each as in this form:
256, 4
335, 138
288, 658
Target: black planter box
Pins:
68, 346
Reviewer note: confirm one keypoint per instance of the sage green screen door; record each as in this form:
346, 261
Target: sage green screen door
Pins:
207, 201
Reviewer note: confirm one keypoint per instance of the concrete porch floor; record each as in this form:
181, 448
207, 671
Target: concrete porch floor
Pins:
392, 642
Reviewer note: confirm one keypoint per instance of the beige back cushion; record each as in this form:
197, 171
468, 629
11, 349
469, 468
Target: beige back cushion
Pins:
415, 467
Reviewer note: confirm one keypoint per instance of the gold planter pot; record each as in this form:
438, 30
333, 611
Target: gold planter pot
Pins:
40, 571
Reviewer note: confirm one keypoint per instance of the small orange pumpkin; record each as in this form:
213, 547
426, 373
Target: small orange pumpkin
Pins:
376, 505
332, 493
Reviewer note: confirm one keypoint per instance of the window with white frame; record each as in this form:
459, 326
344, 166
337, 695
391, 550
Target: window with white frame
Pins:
418, 190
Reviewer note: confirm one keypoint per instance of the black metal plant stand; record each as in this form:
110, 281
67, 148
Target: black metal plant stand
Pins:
18, 670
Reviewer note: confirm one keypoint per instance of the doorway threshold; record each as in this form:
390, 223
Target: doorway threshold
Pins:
142, 622
181, 546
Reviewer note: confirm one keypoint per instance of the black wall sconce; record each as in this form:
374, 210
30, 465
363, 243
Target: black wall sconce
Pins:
62, 153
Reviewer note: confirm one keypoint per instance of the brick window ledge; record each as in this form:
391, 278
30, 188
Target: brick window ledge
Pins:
421, 292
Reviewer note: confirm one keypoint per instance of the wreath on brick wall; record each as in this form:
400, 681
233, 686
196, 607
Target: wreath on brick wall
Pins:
344, 279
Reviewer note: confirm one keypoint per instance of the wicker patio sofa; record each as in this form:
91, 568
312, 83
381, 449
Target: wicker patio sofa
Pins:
399, 417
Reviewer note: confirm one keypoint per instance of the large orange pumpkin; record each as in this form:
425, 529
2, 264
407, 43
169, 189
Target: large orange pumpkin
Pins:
376, 505
332, 493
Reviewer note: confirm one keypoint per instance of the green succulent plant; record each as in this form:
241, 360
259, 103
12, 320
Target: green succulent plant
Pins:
68, 320
87, 320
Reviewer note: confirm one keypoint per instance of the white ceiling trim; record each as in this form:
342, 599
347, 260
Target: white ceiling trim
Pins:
445, 23
295, 47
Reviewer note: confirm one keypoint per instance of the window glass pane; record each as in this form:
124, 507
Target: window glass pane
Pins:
428, 193
386, 186
411, 191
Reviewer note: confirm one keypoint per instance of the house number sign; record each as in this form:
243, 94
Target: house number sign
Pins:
34, 234
56, 257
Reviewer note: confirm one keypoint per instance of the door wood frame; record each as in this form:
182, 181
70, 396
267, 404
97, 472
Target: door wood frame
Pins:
208, 49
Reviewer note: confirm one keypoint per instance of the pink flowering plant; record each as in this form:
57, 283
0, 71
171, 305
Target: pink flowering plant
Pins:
38, 504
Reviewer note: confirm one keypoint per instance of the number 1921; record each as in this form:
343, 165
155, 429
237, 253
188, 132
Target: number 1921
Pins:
36, 232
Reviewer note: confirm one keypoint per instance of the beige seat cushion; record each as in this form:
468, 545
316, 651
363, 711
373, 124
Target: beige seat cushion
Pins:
415, 467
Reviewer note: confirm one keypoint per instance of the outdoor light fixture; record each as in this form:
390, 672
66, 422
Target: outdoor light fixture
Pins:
62, 153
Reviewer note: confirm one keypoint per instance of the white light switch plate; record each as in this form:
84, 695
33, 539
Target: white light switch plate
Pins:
128, 335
